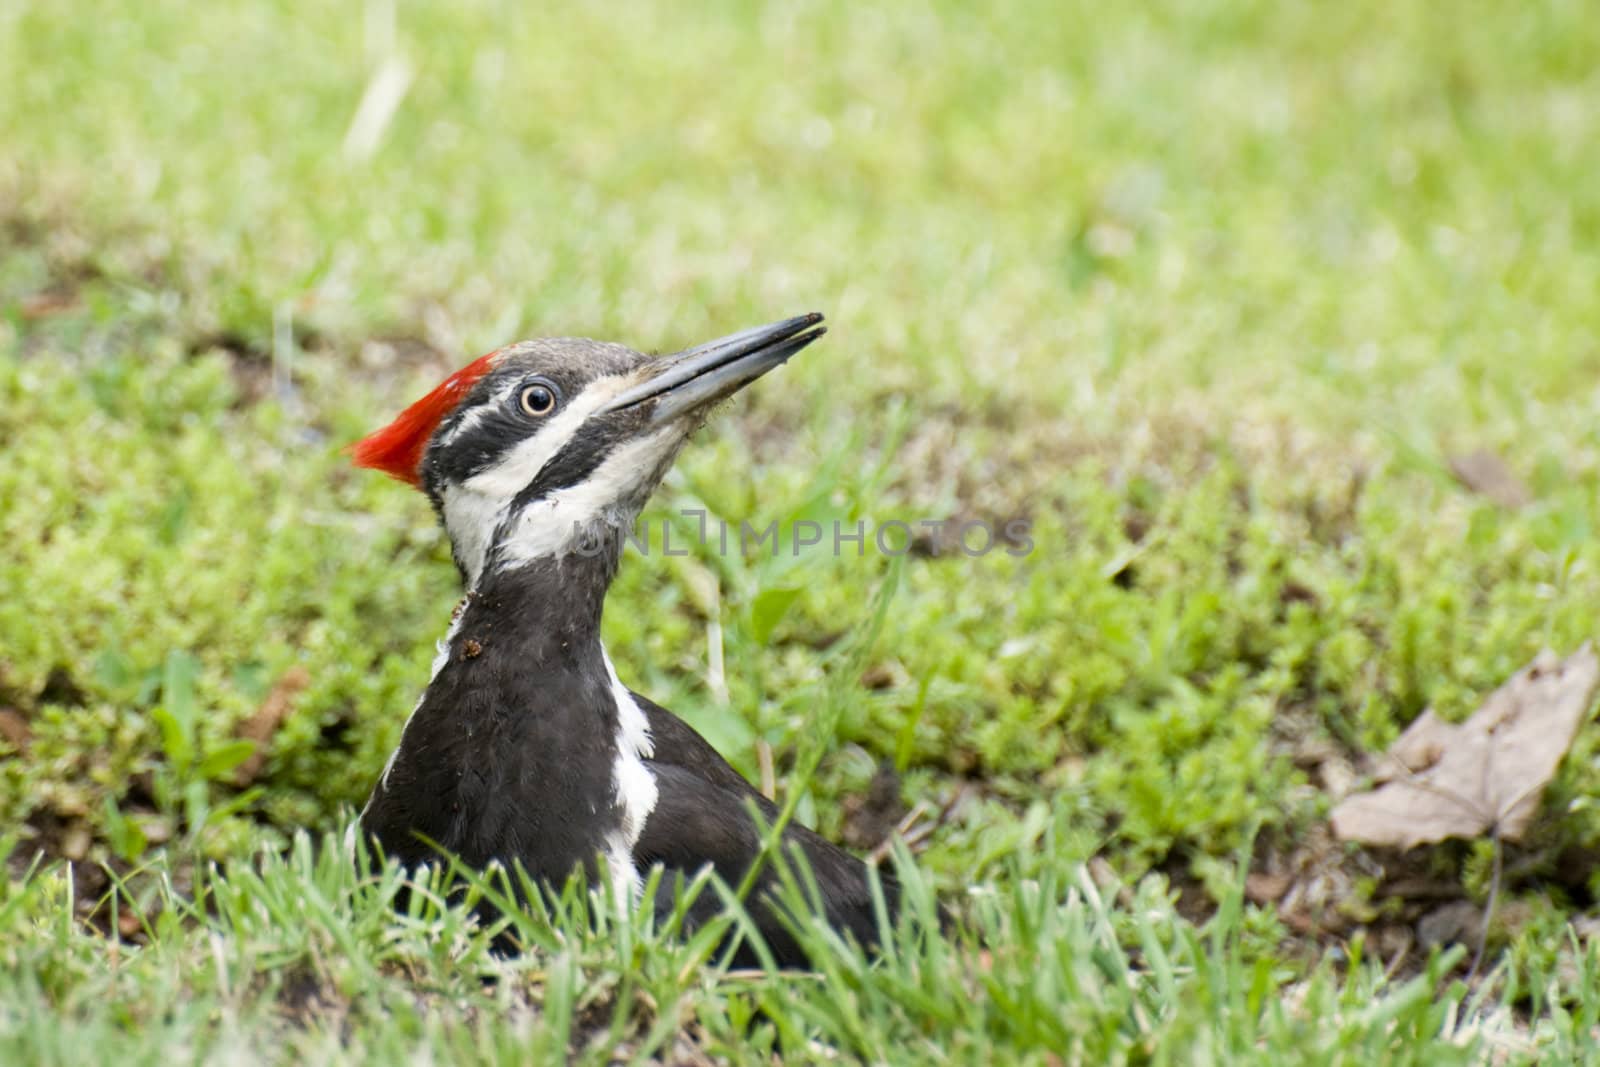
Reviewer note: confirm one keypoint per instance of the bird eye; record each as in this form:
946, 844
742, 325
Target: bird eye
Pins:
538, 399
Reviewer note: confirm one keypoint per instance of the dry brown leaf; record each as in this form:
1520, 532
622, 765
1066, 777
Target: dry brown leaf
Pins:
1487, 773
1264, 888
14, 729
260, 726
1488, 475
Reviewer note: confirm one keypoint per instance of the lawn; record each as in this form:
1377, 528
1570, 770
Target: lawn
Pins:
1276, 327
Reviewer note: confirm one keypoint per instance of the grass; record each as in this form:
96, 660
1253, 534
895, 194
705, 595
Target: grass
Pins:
300, 955
1213, 295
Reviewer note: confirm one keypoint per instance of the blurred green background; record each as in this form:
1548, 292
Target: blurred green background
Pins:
1222, 297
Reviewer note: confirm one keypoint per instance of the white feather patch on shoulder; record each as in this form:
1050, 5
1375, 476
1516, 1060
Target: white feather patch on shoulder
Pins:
635, 785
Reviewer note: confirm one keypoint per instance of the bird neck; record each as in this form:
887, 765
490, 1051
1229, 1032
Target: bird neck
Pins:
550, 607
522, 721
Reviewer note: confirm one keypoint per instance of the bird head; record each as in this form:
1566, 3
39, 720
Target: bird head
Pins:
546, 448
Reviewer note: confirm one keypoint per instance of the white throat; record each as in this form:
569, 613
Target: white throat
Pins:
581, 518
470, 520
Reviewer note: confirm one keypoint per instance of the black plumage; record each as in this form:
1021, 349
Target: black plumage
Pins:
524, 747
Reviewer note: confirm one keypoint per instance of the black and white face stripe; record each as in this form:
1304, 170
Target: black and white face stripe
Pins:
490, 421
590, 512
517, 481
511, 486
583, 453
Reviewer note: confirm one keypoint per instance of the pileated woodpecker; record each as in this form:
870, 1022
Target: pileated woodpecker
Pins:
526, 746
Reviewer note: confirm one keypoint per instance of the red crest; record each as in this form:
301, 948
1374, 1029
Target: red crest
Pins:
397, 448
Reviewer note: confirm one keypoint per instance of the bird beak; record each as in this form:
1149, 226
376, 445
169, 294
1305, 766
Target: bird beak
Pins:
701, 376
